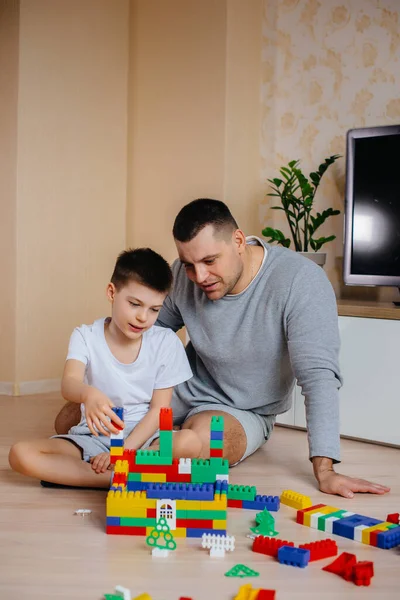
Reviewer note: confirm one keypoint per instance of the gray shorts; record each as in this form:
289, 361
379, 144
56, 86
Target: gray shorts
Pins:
257, 428
90, 445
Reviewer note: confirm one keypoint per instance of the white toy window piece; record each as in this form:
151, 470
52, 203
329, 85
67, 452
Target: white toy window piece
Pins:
166, 509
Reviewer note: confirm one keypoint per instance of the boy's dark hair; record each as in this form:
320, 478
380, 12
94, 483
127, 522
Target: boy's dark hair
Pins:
196, 215
144, 266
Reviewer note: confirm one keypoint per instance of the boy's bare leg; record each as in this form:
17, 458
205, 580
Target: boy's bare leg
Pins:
193, 439
69, 415
57, 461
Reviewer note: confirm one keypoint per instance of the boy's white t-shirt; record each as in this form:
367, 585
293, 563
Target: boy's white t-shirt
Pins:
161, 363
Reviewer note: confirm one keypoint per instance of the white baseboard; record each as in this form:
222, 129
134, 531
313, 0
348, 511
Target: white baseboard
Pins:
25, 388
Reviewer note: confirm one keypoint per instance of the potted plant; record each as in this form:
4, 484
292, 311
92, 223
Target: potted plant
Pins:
296, 193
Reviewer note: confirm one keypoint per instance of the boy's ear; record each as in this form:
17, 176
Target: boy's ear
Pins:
111, 291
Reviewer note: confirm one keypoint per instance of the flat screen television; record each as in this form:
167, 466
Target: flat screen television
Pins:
372, 207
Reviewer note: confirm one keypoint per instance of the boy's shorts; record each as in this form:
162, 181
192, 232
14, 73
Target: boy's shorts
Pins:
90, 445
257, 428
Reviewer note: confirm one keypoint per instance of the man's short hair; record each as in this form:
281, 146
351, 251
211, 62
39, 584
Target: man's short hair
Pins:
196, 215
144, 266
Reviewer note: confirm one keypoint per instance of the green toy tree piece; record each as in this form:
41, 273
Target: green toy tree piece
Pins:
265, 524
161, 531
241, 571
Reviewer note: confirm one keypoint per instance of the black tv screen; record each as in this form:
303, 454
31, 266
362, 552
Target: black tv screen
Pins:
372, 210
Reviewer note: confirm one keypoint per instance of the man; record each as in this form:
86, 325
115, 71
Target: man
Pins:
258, 317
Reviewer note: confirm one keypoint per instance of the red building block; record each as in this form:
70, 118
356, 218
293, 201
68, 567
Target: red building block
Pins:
342, 566
165, 419
393, 518
216, 453
195, 523
118, 530
300, 513
235, 503
362, 572
321, 549
151, 513
119, 478
266, 595
269, 546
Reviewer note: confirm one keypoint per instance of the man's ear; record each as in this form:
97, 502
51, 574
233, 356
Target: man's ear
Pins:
239, 240
111, 291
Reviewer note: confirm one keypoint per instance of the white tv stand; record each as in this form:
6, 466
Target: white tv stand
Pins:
370, 365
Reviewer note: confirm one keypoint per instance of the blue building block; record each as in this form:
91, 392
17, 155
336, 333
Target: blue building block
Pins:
216, 435
137, 486
388, 539
198, 491
295, 557
221, 486
116, 488
174, 491
119, 411
113, 521
197, 533
114, 442
271, 503
345, 527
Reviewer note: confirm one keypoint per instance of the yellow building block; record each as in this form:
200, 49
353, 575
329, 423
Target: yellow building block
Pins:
188, 505
154, 477
213, 505
126, 504
143, 597
116, 450
219, 524
246, 592
177, 533
366, 533
295, 500
325, 510
223, 498
122, 466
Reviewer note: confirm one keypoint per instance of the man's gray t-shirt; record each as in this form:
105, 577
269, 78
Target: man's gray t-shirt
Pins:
247, 349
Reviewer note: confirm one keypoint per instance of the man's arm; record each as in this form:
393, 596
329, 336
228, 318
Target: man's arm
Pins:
169, 315
313, 342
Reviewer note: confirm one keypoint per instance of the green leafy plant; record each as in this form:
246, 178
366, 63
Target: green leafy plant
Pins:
297, 193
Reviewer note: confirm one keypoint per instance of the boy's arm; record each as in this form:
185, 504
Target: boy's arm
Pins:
97, 405
150, 422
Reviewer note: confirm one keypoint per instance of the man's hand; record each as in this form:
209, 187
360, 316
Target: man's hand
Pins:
101, 462
342, 485
99, 415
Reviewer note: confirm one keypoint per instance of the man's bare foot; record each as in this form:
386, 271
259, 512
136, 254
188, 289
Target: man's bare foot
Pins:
69, 415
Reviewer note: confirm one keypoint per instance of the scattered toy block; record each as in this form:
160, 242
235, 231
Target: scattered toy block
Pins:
388, 539
321, 549
269, 546
294, 557
393, 518
363, 571
241, 571
345, 527
271, 503
342, 565
303, 511
295, 500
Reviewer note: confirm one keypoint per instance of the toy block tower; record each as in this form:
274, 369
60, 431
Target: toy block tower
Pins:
216, 438
117, 439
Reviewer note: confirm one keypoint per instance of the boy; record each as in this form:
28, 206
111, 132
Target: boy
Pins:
118, 361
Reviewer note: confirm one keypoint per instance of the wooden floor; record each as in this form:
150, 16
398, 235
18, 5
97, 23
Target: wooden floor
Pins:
47, 552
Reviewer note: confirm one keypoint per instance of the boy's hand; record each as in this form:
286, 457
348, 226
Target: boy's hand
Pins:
101, 462
98, 412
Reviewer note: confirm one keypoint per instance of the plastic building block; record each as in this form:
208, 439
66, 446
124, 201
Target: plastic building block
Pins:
185, 466
216, 453
295, 557
295, 500
142, 597
265, 524
246, 592
241, 571
235, 503
321, 549
160, 531
160, 552
152, 457
269, 546
217, 423
166, 419
121, 594
393, 518
266, 595
363, 572
198, 533
216, 435
241, 492
166, 444
271, 503
388, 539
218, 544
345, 527
342, 565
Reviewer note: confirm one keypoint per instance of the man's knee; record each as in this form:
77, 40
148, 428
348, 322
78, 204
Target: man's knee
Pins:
235, 441
187, 444
69, 415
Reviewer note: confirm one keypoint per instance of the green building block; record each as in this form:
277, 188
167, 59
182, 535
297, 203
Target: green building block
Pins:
242, 492
137, 522
322, 518
165, 443
134, 477
152, 457
217, 423
217, 444
214, 515
221, 465
241, 571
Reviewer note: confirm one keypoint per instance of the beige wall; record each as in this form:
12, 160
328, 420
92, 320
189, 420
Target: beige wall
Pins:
71, 180
327, 67
9, 16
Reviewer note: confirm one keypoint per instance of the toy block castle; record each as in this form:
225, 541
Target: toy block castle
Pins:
148, 485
